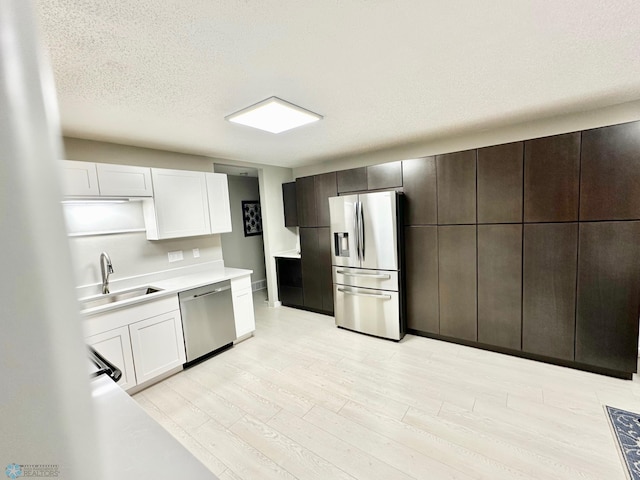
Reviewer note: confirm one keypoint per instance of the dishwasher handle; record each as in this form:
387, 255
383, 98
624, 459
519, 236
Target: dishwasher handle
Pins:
205, 294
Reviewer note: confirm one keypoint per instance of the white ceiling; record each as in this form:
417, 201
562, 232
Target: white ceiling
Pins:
165, 73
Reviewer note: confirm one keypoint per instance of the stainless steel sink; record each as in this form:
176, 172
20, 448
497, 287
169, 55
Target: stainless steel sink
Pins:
99, 300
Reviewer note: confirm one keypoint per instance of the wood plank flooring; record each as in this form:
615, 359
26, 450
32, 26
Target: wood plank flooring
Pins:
303, 399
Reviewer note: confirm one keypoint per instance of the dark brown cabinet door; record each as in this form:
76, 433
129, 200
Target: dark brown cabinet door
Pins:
500, 173
457, 281
500, 285
290, 204
325, 273
549, 289
386, 175
610, 173
419, 186
311, 280
551, 178
608, 295
353, 180
456, 174
422, 279
306, 201
325, 186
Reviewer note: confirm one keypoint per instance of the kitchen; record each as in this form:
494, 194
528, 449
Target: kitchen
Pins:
330, 417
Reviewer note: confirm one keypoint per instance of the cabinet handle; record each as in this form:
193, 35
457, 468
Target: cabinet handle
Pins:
357, 294
364, 275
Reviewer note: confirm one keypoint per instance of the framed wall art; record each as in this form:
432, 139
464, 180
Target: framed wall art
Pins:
252, 217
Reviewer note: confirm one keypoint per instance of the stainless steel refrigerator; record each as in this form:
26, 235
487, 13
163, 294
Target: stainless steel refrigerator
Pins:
367, 263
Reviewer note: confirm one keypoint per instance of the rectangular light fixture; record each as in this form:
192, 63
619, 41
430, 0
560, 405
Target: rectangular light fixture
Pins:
274, 115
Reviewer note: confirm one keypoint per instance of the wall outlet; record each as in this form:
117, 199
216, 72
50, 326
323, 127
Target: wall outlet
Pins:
176, 256
196, 252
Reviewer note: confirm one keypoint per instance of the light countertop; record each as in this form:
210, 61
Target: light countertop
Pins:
288, 254
133, 445
167, 285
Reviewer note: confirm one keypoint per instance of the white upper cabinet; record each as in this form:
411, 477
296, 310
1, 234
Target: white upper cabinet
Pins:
124, 180
88, 179
79, 178
180, 206
219, 208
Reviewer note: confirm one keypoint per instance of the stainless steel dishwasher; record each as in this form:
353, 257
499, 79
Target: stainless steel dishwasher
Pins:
207, 319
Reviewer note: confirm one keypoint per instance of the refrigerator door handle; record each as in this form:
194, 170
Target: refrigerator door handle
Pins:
358, 294
365, 275
360, 213
356, 229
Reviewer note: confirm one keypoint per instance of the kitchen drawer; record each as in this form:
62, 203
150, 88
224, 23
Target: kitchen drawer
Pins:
368, 311
358, 277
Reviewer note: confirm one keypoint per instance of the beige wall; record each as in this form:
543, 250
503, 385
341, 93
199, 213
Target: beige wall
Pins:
491, 135
240, 251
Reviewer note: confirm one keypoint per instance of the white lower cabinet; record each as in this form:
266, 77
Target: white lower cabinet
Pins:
243, 305
144, 340
157, 344
115, 346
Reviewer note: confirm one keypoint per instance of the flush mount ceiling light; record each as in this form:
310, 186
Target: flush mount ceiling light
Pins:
274, 115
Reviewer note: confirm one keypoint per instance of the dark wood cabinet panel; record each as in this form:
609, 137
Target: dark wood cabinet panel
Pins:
325, 186
551, 178
421, 253
311, 262
419, 186
610, 173
325, 273
385, 175
290, 204
353, 180
500, 285
500, 174
608, 295
306, 202
457, 281
549, 289
289, 273
456, 178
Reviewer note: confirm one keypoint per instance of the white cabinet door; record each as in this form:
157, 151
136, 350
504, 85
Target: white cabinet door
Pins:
115, 346
243, 305
219, 208
124, 180
180, 207
79, 178
158, 345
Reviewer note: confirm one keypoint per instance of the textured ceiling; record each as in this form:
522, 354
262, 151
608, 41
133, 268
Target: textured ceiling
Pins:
165, 73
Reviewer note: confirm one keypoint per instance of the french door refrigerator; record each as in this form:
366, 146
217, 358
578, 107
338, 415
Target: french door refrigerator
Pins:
366, 233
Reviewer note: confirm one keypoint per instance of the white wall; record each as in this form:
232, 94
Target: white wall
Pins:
277, 237
240, 251
132, 254
491, 135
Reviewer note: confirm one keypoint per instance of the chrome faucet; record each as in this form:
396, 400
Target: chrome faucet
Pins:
106, 268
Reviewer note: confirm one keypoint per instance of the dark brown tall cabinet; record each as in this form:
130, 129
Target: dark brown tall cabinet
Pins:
312, 195
608, 295
530, 247
500, 285
549, 289
457, 281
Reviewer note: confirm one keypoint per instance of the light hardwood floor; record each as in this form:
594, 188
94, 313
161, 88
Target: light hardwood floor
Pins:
303, 399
